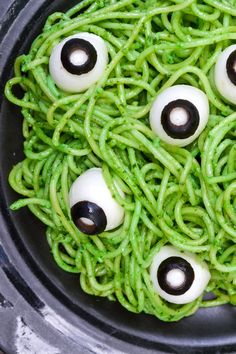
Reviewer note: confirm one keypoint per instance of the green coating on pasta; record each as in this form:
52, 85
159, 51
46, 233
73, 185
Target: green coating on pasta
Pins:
179, 196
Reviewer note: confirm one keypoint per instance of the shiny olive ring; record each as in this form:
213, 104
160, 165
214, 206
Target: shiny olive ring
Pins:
181, 131
78, 44
172, 264
85, 210
230, 67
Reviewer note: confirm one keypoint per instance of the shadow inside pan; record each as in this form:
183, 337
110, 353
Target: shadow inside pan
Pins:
214, 326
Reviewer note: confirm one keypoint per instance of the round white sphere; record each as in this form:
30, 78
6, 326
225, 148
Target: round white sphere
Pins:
179, 92
78, 83
201, 275
91, 186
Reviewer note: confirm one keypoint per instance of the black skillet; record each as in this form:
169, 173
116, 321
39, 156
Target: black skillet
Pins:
42, 309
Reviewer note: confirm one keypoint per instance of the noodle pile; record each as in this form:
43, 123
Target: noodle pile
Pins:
179, 196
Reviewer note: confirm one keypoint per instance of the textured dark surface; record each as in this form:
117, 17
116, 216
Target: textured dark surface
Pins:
42, 309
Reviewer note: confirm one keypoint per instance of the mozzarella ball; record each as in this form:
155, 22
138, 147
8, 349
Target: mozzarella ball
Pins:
178, 277
225, 74
93, 209
179, 114
78, 62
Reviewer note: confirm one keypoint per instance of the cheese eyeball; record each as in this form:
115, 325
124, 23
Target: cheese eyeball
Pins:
93, 209
78, 62
225, 74
178, 277
179, 114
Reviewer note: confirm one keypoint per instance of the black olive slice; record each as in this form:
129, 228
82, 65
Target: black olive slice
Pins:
231, 67
180, 131
78, 44
171, 264
93, 213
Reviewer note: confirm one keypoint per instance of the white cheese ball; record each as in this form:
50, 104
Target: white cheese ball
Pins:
225, 74
70, 82
175, 277
173, 114
91, 186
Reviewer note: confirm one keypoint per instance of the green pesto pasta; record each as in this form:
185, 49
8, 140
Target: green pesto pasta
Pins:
183, 197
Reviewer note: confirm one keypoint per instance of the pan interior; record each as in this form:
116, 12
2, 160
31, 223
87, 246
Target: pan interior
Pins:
207, 326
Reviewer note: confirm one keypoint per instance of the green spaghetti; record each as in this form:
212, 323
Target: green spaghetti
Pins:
184, 197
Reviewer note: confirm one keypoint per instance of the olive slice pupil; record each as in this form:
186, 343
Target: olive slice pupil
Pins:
88, 217
175, 275
231, 67
78, 56
180, 119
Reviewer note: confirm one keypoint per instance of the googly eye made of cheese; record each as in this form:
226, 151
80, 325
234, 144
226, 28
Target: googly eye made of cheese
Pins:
225, 74
93, 209
179, 114
178, 277
78, 62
